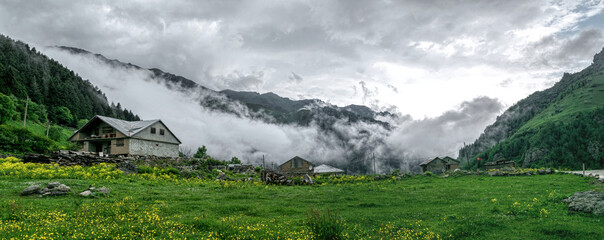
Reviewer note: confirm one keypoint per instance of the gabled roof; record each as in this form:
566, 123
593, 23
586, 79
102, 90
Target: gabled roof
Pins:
449, 159
429, 161
323, 168
128, 128
296, 157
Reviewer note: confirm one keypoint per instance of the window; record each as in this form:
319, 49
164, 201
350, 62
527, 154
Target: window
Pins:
107, 130
161, 132
152, 130
119, 142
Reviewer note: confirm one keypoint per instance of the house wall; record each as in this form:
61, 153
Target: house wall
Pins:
167, 137
125, 149
288, 169
436, 167
146, 147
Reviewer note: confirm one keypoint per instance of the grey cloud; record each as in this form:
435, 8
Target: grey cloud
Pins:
240, 81
295, 78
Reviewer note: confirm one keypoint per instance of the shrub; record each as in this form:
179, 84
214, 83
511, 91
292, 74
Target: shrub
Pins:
7, 108
21, 140
144, 169
429, 174
325, 225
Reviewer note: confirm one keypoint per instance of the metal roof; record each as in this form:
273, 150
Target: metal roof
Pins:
323, 168
128, 128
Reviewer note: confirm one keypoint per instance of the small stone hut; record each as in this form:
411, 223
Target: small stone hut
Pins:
439, 165
112, 136
296, 166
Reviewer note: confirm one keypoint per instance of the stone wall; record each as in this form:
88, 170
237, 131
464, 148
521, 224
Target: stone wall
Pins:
160, 149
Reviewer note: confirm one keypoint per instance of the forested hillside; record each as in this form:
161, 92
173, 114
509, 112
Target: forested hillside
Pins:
562, 126
26, 73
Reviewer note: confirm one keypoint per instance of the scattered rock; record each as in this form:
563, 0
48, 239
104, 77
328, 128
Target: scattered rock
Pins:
589, 202
127, 167
33, 189
446, 176
221, 176
540, 171
548, 171
273, 177
53, 185
85, 193
104, 190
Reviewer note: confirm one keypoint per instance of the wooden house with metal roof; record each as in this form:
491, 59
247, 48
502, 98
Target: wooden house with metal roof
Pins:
119, 137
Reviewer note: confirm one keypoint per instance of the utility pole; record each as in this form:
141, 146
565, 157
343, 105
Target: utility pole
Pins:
263, 167
374, 169
25, 114
47, 127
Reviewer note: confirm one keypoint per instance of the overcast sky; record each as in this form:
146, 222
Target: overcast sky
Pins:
423, 57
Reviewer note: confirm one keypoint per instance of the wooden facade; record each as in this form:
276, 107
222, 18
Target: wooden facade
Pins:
296, 166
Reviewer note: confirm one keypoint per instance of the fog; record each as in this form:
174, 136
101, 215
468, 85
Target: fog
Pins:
226, 135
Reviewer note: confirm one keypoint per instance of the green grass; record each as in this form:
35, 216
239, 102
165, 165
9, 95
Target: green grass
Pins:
454, 208
40, 130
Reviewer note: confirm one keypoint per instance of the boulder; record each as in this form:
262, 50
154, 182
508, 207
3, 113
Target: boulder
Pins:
104, 190
85, 193
53, 185
589, 202
33, 189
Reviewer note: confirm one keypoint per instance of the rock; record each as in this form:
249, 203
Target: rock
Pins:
127, 167
62, 188
85, 193
446, 176
548, 171
307, 180
104, 190
33, 189
589, 202
221, 176
289, 182
540, 171
53, 185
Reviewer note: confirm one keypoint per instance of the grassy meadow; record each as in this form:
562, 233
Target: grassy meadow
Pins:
159, 204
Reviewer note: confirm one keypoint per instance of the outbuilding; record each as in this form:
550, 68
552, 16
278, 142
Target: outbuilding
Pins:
439, 165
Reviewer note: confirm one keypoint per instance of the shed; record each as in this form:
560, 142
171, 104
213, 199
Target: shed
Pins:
439, 165
501, 163
296, 166
112, 136
326, 169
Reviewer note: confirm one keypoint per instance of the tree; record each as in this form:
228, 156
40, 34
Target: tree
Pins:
7, 108
63, 115
201, 152
54, 133
81, 123
235, 160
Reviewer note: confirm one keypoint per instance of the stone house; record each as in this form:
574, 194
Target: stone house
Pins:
439, 165
296, 166
119, 137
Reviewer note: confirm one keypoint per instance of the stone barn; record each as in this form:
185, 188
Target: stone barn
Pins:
296, 166
112, 136
439, 165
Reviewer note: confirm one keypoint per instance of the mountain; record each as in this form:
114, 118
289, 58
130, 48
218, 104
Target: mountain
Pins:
269, 107
25, 72
562, 126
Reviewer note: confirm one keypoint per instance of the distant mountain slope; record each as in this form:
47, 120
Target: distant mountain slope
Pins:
562, 126
268, 106
25, 72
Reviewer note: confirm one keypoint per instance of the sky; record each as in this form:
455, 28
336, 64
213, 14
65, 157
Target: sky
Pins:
422, 57
450, 66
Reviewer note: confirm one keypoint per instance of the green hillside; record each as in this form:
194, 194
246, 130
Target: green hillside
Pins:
26, 73
560, 127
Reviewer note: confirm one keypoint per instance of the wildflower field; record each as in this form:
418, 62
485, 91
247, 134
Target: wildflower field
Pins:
160, 204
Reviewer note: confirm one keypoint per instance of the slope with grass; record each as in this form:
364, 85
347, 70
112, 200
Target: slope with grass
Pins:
161, 204
559, 127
